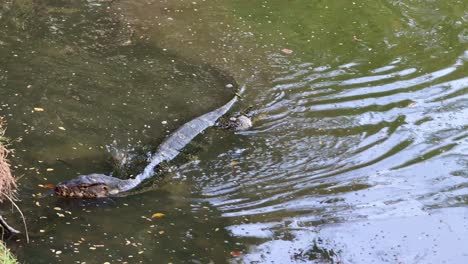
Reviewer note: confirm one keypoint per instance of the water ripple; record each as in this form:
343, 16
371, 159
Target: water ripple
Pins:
331, 134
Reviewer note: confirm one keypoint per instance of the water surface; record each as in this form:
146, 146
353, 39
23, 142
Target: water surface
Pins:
358, 152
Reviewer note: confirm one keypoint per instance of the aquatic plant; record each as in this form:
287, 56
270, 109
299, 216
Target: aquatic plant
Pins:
6, 257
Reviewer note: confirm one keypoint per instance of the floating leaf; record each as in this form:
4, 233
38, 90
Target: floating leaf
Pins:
61, 128
236, 253
356, 39
49, 169
38, 109
287, 51
234, 163
158, 215
47, 186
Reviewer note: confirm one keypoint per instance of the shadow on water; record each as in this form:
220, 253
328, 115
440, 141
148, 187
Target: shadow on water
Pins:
357, 155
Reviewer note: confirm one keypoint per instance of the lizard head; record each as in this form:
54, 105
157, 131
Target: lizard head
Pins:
89, 186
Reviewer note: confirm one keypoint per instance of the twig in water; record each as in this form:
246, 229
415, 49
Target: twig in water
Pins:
22, 217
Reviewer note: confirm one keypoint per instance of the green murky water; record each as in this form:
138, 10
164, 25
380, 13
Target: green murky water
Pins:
358, 152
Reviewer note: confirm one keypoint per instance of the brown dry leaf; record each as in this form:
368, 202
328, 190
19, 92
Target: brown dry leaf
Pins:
47, 186
158, 215
236, 253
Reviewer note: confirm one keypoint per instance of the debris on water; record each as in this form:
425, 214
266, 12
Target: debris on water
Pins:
236, 253
39, 109
127, 43
61, 128
287, 51
164, 122
234, 163
355, 39
57, 209
146, 218
229, 85
49, 169
158, 215
47, 186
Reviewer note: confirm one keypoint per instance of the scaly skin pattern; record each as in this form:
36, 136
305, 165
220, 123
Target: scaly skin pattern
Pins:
100, 185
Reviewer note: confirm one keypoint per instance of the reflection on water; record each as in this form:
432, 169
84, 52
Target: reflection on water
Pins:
358, 152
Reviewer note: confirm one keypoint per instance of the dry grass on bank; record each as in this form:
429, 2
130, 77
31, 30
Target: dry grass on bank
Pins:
7, 181
7, 189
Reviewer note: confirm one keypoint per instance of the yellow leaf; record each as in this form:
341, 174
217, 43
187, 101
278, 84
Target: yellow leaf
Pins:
38, 109
234, 163
158, 215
